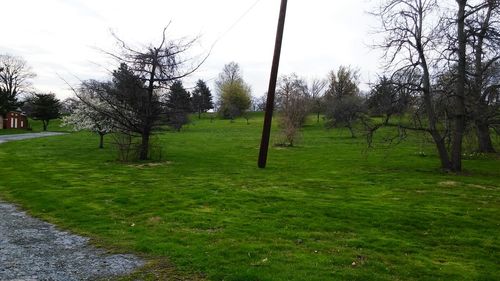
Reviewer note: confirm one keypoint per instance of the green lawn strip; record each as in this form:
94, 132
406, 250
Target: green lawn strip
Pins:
37, 127
328, 209
13, 131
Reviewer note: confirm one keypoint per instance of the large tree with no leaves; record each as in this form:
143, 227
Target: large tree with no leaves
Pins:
413, 42
156, 67
317, 89
483, 40
15, 79
294, 104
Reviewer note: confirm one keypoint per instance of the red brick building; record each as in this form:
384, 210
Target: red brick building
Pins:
14, 120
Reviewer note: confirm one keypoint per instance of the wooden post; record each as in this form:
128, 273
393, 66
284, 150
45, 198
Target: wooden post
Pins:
266, 131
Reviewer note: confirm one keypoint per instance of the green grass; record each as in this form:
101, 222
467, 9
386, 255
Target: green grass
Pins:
328, 209
36, 127
13, 131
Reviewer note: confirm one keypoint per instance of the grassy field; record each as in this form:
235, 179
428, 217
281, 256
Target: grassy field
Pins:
13, 131
36, 127
328, 209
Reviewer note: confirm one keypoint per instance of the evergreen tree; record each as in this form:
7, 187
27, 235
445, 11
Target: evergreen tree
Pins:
202, 98
8, 102
45, 107
178, 105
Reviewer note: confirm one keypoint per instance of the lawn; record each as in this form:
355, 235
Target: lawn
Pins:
36, 127
13, 131
328, 209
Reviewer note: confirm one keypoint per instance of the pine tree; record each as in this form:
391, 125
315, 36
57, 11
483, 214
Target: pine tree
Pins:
178, 105
202, 98
45, 107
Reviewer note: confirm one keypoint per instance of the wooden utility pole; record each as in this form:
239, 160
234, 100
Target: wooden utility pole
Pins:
266, 131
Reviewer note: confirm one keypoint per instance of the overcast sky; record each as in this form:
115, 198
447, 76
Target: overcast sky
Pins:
62, 37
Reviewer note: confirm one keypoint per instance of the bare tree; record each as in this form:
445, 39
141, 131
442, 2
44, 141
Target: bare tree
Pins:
316, 91
153, 69
386, 99
231, 73
259, 103
459, 115
15, 79
483, 39
69, 105
293, 103
413, 42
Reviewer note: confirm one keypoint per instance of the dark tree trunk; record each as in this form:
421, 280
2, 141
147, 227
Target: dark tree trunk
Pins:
458, 132
318, 117
484, 138
436, 136
45, 124
147, 125
144, 152
442, 151
479, 105
351, 130
199, 114
101, 141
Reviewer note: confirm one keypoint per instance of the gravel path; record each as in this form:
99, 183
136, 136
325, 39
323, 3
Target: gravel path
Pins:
6, 138
33, 250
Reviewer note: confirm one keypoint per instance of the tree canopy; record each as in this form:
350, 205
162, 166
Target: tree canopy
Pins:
234, 94
44, 107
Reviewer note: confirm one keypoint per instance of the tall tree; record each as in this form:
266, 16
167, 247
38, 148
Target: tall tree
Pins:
412, 43
44, 107
386, 99
316, 90
202, 98
343, 83
156, 67
459, 103
293, 104
483, 39
344, 105
234, 94
178, 105
8, 102
15, 79
231, 73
